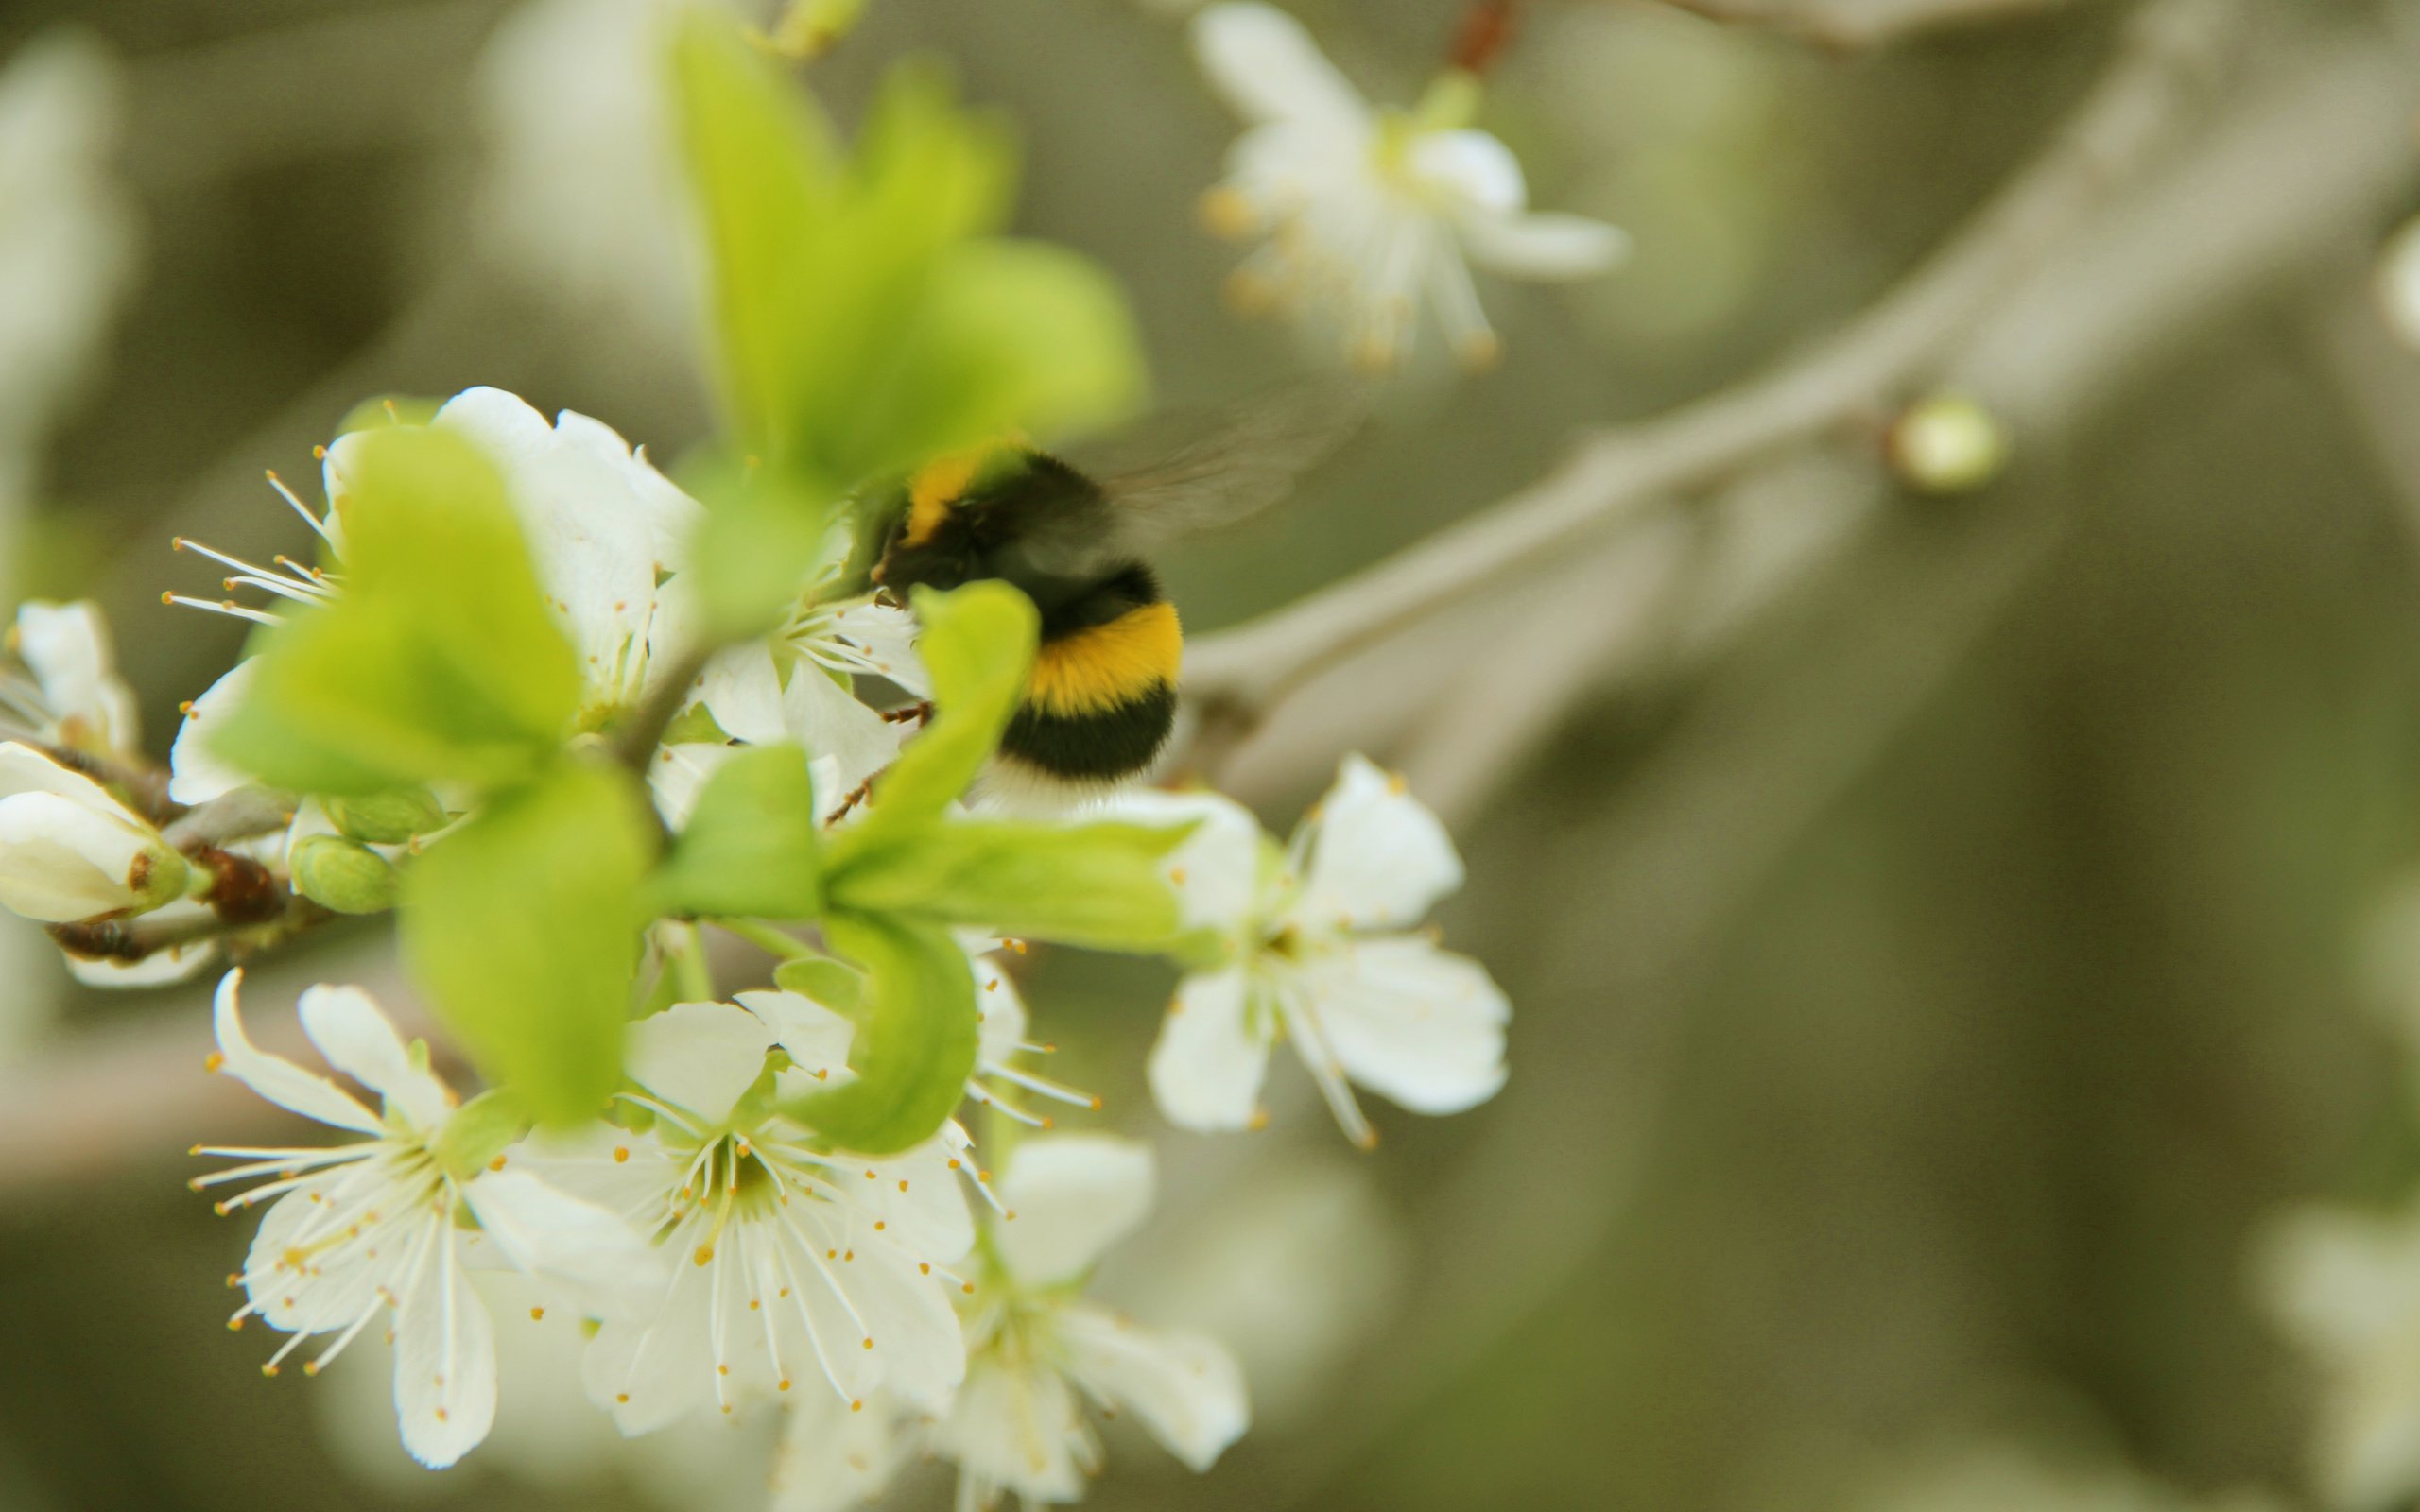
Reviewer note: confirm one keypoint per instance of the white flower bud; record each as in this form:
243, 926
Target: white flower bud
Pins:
68, 858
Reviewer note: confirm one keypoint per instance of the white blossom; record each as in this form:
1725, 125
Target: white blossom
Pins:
67, 239
376, 1227
75, 698
69, 851
791, 1260
1372, 211
1313, 945
2346, 1287
798, 684
1037, 1350
606, 531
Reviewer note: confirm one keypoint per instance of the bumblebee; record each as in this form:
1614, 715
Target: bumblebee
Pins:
1075, 537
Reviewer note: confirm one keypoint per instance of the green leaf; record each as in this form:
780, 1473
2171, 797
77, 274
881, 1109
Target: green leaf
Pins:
478, 1131
523, 930
867, 318
765, 171
749, 850
915, 1043
835, 984
762, 539
976, 642
1014, 335
439, 662
1095, 884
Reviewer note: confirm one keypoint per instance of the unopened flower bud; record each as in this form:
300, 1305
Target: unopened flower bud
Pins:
71, 853
387, 819
1948, 444
343, 875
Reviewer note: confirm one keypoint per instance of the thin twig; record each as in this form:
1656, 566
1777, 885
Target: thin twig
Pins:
1239, 675
1857, 24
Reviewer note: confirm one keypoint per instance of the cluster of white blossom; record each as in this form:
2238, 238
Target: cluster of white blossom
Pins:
725, 1249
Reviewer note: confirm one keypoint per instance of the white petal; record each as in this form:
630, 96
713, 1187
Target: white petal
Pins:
1423, 1026
1073, 1196
1548, 247
277, 1078
24, 769
678, 773
1478, 174
918, 1349
743, 690
165, 968
922, 1204
304, 1286
1269, 69
1378, 860
1208, 1064
612, 1168
445, 1363
1185, 1387
347, 1030
1000, 1014
2398, 283
829, 721
810, 1034
1022, 1429
67, 646
61, 861
197, 774
555, 1237
699, 1056
1216, 871
833, 1459
651, 1371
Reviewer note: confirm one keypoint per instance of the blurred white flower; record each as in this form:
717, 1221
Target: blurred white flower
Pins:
2397, 284
1287, 1256
75, 698
1036, 1350
582, 192
69, 851
377, 1225
791, 1261
2346, 1287
1312, 946
546, 1431
1377, 210
67, 238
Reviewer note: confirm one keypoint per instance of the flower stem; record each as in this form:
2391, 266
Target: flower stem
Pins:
767, 937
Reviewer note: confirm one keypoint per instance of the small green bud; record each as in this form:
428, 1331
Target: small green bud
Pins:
342, 874
387, 819
1948, 444
158, 878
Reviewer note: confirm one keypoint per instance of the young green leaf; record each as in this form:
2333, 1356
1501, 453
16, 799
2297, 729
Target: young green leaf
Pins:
750, 848
835, 984
522, 928
978, 647
1100, 885
439, 662
915, 1042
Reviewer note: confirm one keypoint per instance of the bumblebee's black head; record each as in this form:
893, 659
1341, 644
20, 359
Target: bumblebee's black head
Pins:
972, 514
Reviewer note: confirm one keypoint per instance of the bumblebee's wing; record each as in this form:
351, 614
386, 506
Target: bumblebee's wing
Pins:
1197, 471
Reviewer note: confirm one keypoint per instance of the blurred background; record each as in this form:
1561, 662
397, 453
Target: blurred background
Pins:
1959, 938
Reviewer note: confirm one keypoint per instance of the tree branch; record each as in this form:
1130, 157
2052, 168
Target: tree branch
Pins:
1235, 678
1857, 24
